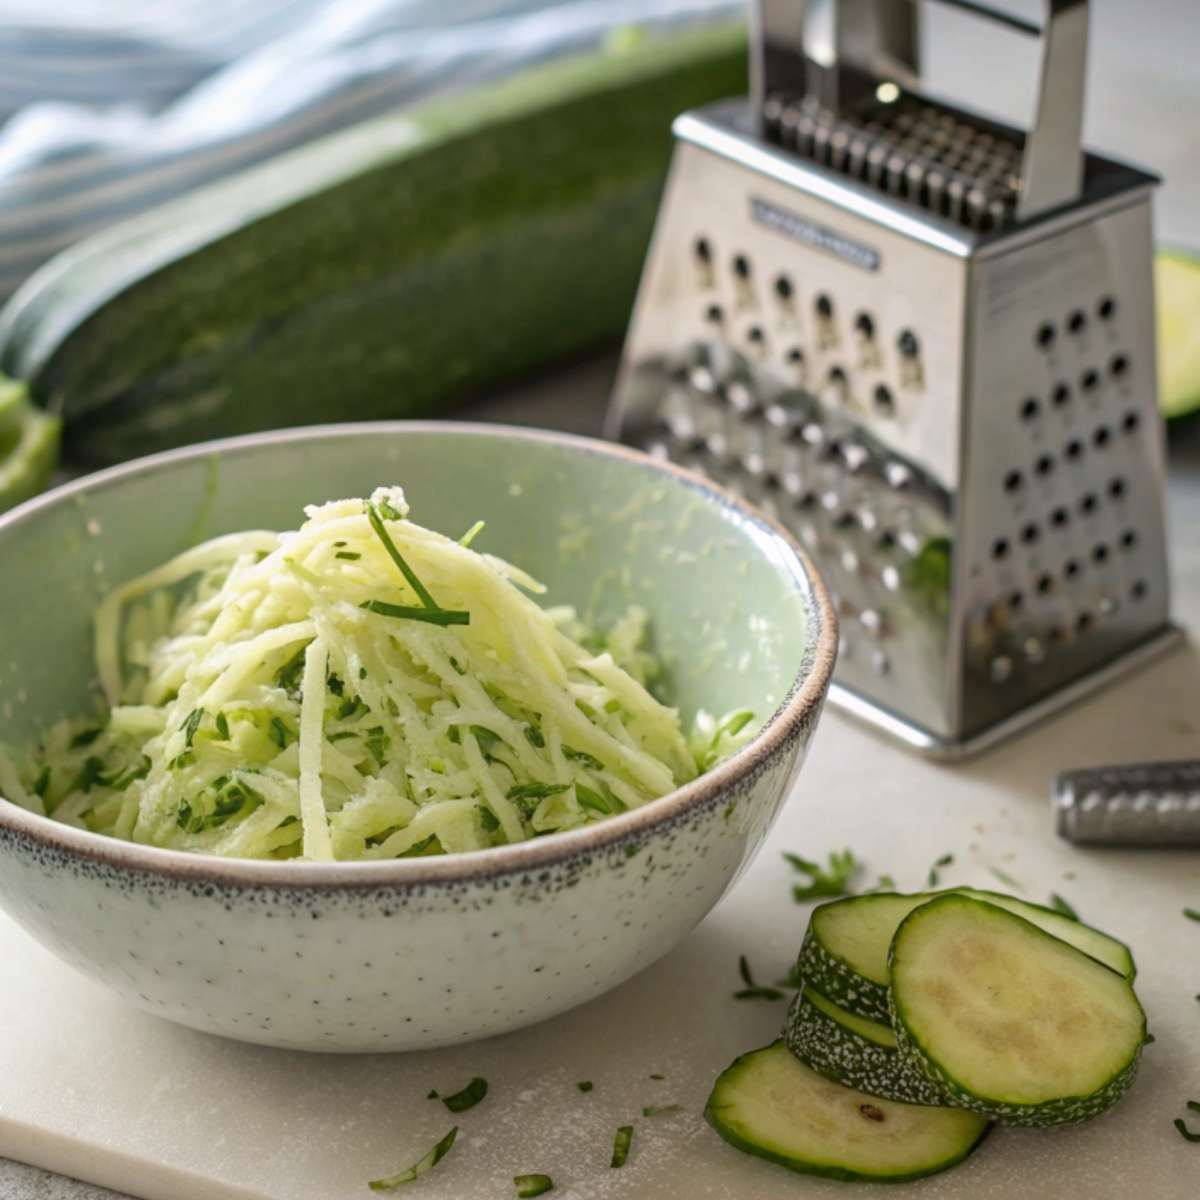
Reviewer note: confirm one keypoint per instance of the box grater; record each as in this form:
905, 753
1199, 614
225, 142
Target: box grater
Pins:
925, 342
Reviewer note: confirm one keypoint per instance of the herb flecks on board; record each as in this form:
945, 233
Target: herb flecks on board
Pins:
830, 882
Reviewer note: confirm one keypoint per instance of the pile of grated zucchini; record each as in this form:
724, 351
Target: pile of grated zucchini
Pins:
360, 688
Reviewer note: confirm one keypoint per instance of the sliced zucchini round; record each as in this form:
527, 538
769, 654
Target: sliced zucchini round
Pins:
1009, 1020
845, 950
771, 1105
854, 1051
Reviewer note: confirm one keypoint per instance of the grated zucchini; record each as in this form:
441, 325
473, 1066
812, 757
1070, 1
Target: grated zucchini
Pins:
360, 688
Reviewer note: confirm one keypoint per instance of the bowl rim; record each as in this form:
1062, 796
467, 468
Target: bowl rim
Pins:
802, 702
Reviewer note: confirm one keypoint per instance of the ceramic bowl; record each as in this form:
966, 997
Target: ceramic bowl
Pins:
427, 951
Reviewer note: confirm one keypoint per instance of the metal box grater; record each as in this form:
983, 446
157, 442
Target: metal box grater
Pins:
925, 342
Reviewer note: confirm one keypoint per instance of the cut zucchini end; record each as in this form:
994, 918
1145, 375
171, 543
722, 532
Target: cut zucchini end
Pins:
28, 453
769, 1104
1011, 1021
1177, 292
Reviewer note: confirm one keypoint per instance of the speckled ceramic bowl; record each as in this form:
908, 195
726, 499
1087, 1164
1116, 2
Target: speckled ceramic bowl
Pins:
429, 951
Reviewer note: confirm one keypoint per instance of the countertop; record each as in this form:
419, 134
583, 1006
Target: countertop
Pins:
1142, 82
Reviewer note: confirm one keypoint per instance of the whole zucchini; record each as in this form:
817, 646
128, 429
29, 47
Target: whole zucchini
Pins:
380, 272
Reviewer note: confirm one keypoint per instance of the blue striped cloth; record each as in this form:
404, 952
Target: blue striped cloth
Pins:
108, 109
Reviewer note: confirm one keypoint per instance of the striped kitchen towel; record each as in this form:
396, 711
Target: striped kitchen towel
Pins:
109, 109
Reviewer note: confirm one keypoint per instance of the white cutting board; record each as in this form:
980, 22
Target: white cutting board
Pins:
95, 1089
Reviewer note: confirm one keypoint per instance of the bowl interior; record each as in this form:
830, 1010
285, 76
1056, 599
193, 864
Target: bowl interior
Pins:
729, 605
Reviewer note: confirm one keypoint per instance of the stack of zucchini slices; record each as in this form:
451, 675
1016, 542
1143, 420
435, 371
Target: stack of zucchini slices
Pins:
922, 1019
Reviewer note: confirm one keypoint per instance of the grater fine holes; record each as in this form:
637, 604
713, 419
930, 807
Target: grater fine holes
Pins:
1130, 421
1015, 600
864, 325
783, 287
1073, 449
1061, 396
1118, 366
1030, 409
1000, 548
907, 344
1045, 335
1013, 481
741, 266
1031, 533
1044, 465
1101, 437
1060, 518
1083, 622
1090, 380
1099, 553
756, 335
1106, 308
795, 356
714, 314
1045, 585
1071, 568
1117, 487
1128, 539
1088, 504
703, 250
1139, 589
885, 403
824, 307
1077, 322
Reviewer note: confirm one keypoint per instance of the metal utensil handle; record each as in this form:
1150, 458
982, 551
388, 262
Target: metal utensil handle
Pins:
874, 40
1140, 804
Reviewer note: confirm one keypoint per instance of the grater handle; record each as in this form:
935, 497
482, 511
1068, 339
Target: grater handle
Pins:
1139, 804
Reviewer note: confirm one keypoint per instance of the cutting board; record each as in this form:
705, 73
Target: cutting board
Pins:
95, 1089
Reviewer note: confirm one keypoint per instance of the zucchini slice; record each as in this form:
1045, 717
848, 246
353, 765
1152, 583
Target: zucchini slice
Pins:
844, 955
1177, 286
1011, 1021
28, 447
771, 1105
854, 1051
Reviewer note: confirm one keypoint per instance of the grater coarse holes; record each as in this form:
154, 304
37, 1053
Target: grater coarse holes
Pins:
924, 342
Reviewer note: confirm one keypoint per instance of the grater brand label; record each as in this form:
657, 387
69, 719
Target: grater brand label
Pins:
819, 237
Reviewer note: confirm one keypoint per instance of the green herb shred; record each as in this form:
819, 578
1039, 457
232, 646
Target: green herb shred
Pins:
434, 616
468, 1097
831, 882
421, 1167
752, 990
585, 1085
944, 861
222, 727
1005, 878
1185, 1132
190, 725
656, 1075
532, 1185
659, 1110
1192, 914
279, 733
1061, 906
621, 1146
85, 737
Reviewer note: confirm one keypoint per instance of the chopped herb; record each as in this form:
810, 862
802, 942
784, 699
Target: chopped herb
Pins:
409, 574
1006, 878
821, 882
183, 816
486, 739
432, 1094
531, 1185
1193, 1106
585, 1085
339, 544
289, 675
457, 665
468, 1097
1060, 905
122, 779
190, 725
385, 507
181, 760
279, 733
90, 774
1149, 1039
656, 1075
658, 1110
419, 1168
944, 861
536, 791
533, 735
581, 756
85, 737
334, 684
341, 735
42, 783
621, 1146
593, 800
348, 555
752, 991
352, 707
886, 884
422, 849
1192, 914
222, 727
487, 819
434, 616
1185, 1132
471, 534
378, 743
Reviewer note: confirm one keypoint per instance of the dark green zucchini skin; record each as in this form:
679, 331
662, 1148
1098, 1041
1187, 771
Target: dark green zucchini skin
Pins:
387, 271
